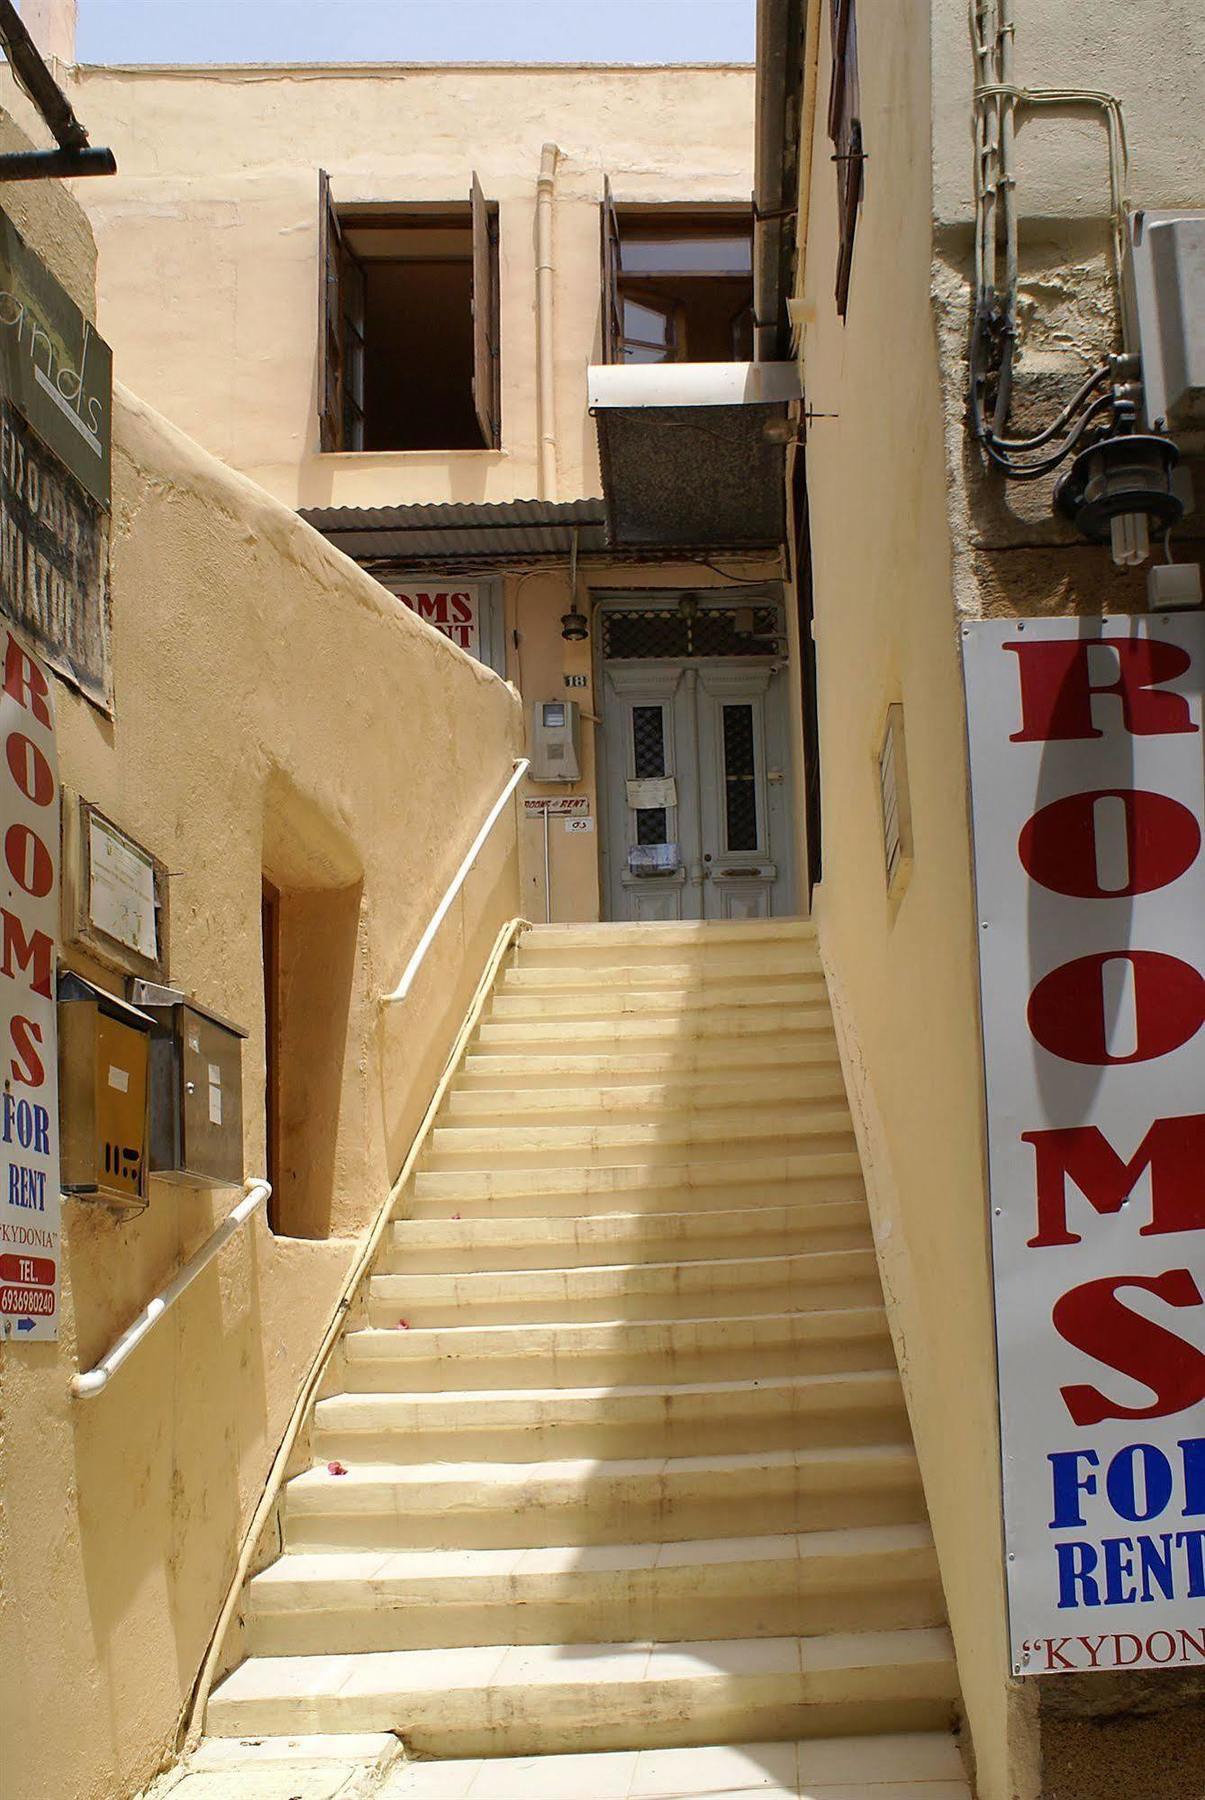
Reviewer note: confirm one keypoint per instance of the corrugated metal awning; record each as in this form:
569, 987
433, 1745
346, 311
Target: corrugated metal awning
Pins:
499, 532
692, 453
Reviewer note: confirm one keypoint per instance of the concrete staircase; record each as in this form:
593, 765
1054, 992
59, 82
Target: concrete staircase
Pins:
629, 1484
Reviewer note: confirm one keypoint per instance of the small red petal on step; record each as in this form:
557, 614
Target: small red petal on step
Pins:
403, 1324
455, 1215
335, 1468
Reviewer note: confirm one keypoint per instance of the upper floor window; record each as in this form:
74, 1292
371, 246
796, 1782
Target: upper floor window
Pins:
845, 130
409, 331
677, 283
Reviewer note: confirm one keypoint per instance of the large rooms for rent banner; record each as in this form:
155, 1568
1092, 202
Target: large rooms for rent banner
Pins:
1087, 788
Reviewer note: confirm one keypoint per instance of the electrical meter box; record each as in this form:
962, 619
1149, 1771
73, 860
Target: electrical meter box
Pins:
104, 1063
556, 741
1165, 299
196, 1090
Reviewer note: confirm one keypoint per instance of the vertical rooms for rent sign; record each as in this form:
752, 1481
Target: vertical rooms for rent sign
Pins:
29, 918
1086, 767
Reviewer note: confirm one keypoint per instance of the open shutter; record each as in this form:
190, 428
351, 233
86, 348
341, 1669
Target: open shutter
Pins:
486, 385
330, 320
612, 318
845, 130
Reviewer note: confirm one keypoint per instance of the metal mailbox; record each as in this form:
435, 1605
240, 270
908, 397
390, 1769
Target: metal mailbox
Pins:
104, 1060
196, 1090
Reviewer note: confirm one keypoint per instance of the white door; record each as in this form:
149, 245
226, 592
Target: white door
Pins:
696, 813
743, 793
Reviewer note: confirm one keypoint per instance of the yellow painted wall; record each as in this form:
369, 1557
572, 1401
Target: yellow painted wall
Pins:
275, 710
903, 974
208, 239
909, 536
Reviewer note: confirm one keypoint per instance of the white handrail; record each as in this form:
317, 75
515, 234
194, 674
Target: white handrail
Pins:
458, 880
85, 1386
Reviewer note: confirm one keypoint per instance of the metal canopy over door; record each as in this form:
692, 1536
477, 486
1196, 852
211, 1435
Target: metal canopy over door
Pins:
694, 794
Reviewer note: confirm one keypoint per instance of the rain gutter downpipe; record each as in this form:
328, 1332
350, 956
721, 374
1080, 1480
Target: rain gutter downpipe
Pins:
545, 366
788, 34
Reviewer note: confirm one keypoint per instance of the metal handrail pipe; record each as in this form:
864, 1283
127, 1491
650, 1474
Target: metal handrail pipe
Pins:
86, 1386
458, 880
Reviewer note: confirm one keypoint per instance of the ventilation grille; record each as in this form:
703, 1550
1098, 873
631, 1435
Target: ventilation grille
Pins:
893, 791
663, 632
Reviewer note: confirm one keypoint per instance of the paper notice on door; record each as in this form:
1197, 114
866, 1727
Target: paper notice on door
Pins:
215, 1094
659, 790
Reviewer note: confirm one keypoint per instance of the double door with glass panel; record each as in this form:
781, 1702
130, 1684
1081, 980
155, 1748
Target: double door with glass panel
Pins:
697, 821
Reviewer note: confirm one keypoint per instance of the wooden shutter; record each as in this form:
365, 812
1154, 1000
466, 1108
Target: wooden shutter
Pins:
612, 317
330, 319
486, 384
801, 569
845, 130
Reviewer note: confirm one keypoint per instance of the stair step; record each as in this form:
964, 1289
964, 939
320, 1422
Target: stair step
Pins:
669, 937
750, 969
492, 1505
854, 1406
673, 1187
811, 1278
770, 1771
510, 1699
702, 1058
546, 1241
888, 1766
768, 1096
459, 1357
783, 1025
722, 1008
872, 1578
635, 1140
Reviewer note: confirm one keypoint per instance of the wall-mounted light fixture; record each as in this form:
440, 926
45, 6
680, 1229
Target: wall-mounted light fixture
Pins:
574, 625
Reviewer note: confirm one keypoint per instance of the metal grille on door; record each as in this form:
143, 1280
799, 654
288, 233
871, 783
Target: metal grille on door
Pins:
670, 634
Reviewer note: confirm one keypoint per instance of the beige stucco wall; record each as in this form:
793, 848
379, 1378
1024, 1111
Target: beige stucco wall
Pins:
208, 239
909, 535
903, 972
275, 711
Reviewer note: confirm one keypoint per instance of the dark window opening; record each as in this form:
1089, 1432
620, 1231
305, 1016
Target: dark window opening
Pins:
845, 130
740, 779
677, 285
648, 761
410, 326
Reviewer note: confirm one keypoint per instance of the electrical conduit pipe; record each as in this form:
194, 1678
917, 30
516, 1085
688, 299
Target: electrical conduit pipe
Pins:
545, 367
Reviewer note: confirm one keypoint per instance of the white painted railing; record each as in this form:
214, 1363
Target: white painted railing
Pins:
85, 1386
458, 880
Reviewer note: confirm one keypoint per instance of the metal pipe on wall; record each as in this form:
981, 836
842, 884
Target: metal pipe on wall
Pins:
545, 364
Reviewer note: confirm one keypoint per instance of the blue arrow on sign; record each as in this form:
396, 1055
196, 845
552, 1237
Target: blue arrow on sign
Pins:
24, 1324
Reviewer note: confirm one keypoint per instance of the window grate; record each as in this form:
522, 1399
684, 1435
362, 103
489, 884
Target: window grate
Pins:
740, 779
648, 761
648, 741
666, 634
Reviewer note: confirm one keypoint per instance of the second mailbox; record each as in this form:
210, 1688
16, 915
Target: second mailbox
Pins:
196, 1090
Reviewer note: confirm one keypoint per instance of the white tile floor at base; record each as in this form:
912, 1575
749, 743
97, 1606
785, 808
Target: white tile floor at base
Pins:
920, 1766
372, 1766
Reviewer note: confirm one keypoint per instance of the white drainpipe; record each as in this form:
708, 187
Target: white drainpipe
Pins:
545, 390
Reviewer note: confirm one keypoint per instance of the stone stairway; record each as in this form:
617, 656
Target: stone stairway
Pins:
629, 1488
